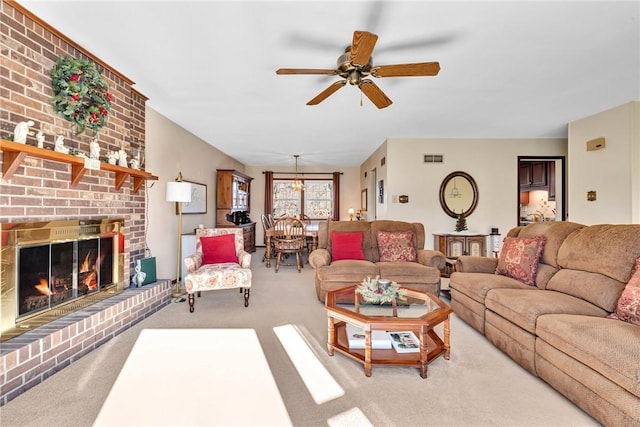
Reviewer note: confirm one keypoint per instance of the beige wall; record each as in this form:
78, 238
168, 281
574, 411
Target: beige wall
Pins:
493, 163
613, 172
171, 149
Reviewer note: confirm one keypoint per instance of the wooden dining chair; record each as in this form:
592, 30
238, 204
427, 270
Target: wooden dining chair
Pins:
289, 238
267, 225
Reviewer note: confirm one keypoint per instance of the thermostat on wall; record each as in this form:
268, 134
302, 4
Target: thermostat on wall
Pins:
595, 144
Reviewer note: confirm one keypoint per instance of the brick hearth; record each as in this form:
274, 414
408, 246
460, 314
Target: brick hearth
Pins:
30, 358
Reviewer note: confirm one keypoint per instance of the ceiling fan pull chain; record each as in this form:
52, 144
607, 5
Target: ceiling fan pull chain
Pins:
361, 104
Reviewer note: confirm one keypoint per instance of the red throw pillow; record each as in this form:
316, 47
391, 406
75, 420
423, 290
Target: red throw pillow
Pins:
519, 258
219, 249
396, 246
346, 246
628, 307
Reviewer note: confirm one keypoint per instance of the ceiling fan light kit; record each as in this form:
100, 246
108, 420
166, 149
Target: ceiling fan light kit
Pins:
356, 63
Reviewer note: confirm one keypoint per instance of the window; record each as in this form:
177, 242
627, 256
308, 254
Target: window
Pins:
315, 201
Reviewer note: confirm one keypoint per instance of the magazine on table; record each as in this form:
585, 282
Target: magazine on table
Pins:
404, 342
379, 339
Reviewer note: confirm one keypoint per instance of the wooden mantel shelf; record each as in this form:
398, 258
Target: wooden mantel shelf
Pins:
14, 153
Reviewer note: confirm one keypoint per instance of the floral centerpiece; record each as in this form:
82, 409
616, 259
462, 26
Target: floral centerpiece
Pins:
374, 292
80, 94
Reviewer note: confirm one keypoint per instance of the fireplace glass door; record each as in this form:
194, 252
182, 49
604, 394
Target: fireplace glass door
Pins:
53, 273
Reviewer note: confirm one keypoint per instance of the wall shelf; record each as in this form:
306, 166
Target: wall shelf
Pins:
14, 153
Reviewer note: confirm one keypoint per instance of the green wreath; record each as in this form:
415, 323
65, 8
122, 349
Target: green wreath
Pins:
80, 94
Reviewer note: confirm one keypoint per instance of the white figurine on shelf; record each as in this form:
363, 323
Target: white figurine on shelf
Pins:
59, 147
94, 149
21, 131
122, 158
134, 164
40, 139
112, 157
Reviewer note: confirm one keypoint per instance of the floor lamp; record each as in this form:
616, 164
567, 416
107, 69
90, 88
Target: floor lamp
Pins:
178, 192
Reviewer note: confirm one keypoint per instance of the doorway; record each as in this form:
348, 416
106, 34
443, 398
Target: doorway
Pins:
542, 190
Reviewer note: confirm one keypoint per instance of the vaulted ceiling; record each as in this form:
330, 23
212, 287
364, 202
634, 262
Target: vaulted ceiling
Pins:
509, 69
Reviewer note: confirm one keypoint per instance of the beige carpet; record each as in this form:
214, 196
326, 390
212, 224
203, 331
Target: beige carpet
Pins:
479, 386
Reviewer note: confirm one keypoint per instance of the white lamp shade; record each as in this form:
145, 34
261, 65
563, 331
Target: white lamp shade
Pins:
178, 191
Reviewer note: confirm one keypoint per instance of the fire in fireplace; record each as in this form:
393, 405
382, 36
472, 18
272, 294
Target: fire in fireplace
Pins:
47, 273
47, 265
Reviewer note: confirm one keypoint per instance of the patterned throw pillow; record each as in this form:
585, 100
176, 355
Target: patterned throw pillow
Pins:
346, 246
628, 307
219, 249
519, 258
396, 246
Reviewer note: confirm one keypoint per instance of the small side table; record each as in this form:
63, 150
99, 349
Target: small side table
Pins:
449, 267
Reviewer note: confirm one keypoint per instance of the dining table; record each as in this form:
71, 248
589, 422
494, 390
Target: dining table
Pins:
310, 230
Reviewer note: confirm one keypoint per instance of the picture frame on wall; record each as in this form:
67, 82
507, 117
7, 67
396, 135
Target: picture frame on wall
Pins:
198, 203
381, 191
363, 200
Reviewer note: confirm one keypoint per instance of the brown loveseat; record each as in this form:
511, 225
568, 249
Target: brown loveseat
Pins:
422, 275
558, 329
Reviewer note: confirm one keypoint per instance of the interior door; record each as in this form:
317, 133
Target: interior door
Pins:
544, 199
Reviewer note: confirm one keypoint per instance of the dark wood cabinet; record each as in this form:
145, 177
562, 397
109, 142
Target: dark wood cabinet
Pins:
533, 175
233, 194
551, 178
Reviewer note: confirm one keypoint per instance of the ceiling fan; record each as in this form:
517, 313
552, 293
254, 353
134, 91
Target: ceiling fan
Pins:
356, 63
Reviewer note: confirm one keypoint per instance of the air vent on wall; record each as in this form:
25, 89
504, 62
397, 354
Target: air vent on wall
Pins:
433, 158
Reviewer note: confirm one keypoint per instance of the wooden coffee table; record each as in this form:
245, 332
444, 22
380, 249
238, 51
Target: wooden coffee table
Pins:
420, 313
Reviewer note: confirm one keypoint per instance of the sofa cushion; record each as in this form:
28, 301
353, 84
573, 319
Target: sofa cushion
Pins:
218, 249
346, 246
610, 250
477, 285
628, 306
396, 246
555, 232
609, 347
348, 271
408, 272
596, 288
522, 307
519, 258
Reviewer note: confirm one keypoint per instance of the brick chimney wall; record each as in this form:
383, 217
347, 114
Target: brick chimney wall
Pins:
40, 190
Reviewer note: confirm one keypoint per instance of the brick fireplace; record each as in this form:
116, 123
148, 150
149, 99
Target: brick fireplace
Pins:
41, 189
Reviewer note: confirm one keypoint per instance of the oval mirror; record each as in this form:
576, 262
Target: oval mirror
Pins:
458, 194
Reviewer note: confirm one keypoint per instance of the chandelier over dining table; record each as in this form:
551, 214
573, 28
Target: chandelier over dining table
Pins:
297, 184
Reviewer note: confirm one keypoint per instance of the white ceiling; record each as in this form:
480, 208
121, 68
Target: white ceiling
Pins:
509, 69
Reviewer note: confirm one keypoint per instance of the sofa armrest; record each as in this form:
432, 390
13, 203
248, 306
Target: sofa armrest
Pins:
431, 258
193, 262
319, 258
244, 259
476, 264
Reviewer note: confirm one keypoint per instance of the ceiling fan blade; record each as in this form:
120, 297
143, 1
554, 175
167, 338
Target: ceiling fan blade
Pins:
362, 47
375, 94
406, 70
305, 71
327, 92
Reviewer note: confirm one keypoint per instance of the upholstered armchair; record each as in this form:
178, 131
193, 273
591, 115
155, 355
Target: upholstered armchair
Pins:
220, 262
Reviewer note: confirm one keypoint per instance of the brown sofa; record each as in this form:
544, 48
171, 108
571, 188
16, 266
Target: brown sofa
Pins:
558, 329
423, 275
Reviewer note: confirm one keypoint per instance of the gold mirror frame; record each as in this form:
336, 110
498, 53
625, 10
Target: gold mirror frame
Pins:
458, 194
